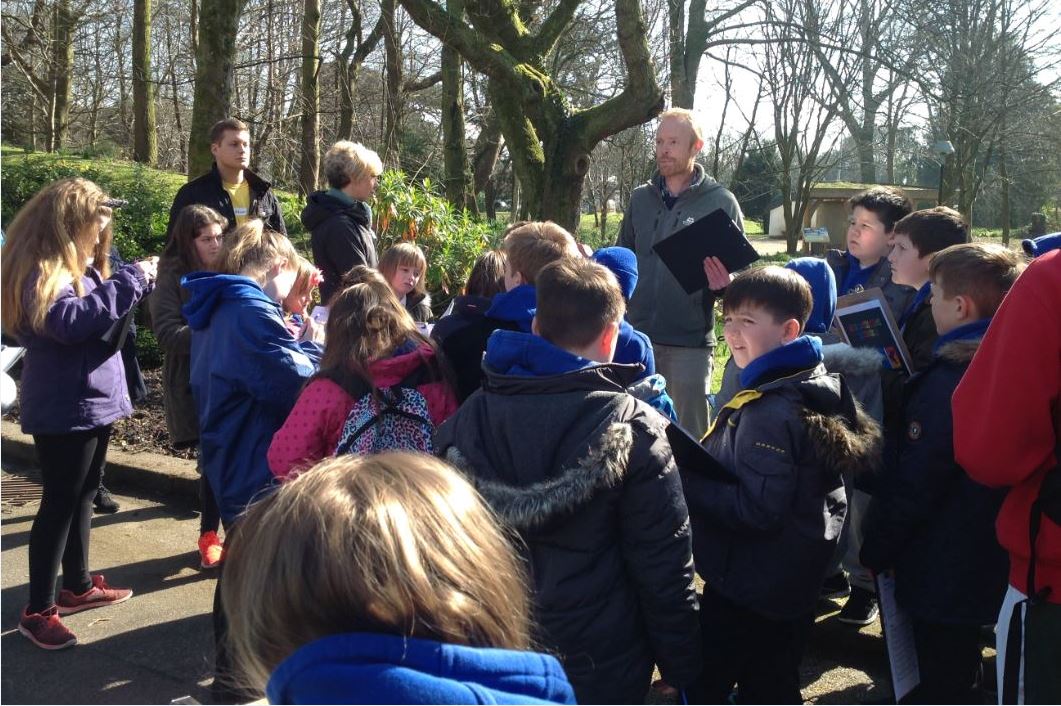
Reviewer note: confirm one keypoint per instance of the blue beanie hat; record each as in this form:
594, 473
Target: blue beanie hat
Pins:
823, 291
623, 264
1034, 247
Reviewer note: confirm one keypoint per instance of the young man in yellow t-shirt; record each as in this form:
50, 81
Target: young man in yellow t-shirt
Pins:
230, 187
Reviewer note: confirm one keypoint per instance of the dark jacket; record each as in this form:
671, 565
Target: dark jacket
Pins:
207, 190
247, 370
660, 307
71, 379
928, 520
341, 238
175, 337
367, 668
898, 296
583, 472
419, 306
462, 337
764, 539
919, 335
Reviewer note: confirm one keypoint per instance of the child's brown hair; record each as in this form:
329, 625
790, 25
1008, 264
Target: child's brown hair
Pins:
531, 246
396, 543
366, 322
933, 229
984, 272
487, 277
778, 290
180, 250
576, 298
888, 203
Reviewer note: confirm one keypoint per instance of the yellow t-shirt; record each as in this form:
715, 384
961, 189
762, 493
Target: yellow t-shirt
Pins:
241, 200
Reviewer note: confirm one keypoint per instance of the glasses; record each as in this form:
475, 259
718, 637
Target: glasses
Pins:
212, 239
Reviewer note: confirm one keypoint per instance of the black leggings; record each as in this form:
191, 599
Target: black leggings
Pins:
70, 471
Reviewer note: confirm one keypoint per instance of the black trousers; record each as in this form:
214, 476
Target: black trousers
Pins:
745, 649
209, 512
70, 470
948, 659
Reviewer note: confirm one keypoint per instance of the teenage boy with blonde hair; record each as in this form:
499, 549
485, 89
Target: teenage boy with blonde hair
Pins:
583, 473
928, 520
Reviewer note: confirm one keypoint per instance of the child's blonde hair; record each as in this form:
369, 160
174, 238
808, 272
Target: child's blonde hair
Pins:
407, 255
51, 239
306, 279
396, 543
252, 250
532, 245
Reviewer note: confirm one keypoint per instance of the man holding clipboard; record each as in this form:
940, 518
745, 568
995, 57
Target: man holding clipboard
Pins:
680, 325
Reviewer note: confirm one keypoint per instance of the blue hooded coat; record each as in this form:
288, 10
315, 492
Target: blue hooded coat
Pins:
246, 372
364, 668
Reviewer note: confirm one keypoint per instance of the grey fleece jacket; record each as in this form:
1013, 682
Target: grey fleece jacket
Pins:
660, 307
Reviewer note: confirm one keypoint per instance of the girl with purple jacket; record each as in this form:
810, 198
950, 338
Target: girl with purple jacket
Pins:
65, 307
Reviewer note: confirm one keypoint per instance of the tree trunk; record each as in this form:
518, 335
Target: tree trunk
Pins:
62, 67
393, 100
1003, 174
214, 77
866, 159
145, 136
458, 176
311, 22
548, 141
681, 95
485, 153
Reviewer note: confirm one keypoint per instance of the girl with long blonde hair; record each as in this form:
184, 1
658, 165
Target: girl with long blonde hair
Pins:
63, 304
382, 579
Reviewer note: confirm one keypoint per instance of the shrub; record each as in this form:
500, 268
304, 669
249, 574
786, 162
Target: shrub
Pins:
405, 210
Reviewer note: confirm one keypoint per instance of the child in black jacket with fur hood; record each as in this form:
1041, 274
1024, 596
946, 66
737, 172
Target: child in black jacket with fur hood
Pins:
583, 473
764, 540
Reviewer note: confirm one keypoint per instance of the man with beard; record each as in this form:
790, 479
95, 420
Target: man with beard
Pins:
680, 325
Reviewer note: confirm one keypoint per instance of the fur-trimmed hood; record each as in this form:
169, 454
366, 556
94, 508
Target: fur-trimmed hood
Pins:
959, 352
848, 360
846, 445
531, 506
844, 437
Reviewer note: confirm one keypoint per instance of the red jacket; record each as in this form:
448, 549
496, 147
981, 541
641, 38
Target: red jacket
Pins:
311, 432
1007, 416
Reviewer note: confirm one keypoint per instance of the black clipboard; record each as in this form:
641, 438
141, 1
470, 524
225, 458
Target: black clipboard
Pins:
691, 457
714, 235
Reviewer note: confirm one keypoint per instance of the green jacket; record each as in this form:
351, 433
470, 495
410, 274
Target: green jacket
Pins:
659, 306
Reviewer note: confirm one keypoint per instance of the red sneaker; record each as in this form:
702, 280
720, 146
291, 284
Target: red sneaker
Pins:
46, 630
211, 551
96, 597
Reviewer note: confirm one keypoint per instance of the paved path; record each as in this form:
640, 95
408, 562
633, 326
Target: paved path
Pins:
152, 649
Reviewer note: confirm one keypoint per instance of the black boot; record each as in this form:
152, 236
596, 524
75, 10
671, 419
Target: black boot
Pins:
105, 502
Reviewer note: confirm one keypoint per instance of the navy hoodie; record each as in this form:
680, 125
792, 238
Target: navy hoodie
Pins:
246, 372
366, 668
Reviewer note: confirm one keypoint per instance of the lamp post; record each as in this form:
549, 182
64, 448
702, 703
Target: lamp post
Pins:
944, 149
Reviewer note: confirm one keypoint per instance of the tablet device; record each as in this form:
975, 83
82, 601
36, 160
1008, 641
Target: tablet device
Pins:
714, 235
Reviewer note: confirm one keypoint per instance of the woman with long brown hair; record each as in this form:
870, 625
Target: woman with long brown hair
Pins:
62, 303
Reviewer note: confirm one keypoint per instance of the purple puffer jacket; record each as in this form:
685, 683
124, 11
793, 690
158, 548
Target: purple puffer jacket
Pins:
71, 379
